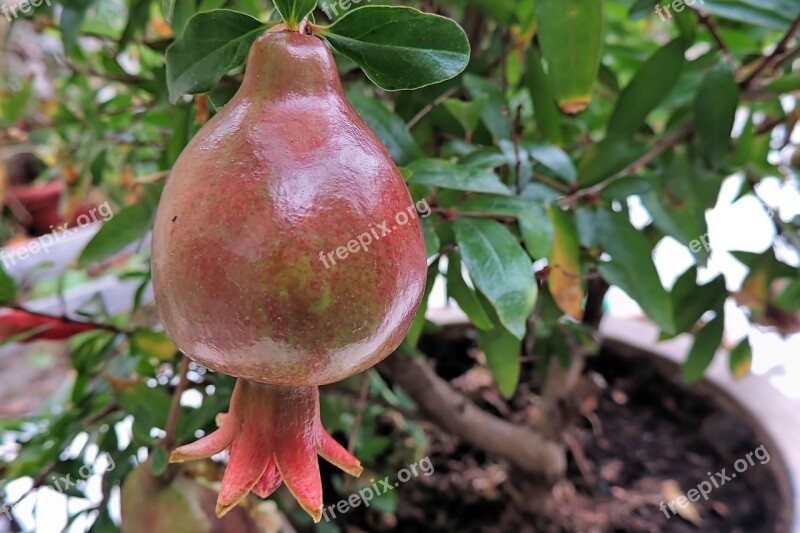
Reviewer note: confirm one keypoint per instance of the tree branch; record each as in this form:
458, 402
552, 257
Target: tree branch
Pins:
766, 61
453, 412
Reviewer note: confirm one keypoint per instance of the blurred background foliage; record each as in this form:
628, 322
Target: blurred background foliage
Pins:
569, 113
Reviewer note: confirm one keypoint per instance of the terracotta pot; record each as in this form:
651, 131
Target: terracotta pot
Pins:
41, 202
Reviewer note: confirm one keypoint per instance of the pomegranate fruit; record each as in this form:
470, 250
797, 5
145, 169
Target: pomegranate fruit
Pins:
256, 274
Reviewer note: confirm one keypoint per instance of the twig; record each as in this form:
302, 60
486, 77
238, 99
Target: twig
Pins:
780, 48
362, 402
452, 213
175, 409
538, 176
428, 108
660, 147
709, 23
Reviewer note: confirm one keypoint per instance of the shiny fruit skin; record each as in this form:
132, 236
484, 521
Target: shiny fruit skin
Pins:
282, 176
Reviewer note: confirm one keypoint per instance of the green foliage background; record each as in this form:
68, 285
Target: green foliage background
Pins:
512, 179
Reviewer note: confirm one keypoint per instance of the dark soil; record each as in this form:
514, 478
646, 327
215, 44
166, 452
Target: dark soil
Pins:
643, 438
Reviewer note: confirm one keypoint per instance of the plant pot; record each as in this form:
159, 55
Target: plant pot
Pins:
41, 202
751, 405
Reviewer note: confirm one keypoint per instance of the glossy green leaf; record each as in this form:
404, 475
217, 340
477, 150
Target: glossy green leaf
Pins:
294, 11
468, 114
714, 111
500, 269
212, 44
495, 114
464, 295
651, 85
631, 267
706, 343
127, 226
545, 108
553, 158
502, 350
400, 47
534, 224
571, 37
441, 173
389, 127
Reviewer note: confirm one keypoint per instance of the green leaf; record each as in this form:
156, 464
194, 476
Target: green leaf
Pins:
784, 85
631, 267
441, 173
468, 114
72, 15
553, 158
160, 460
545, 108
502, 350
500, 269
776, 14
649, 87
706, 343
400, 47
565, 283
789, 298
607, 158
740, 359
127, 226
432, 242
464, 295
8, 289
495, 115
534, 224
414, 333
714, 111
212, 44
571, 37
690, 301
167, 9
294, 11
389, 127
137, 20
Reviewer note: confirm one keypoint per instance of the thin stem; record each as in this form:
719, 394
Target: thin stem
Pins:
175, 409
766, 61
712, 27
428, 108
